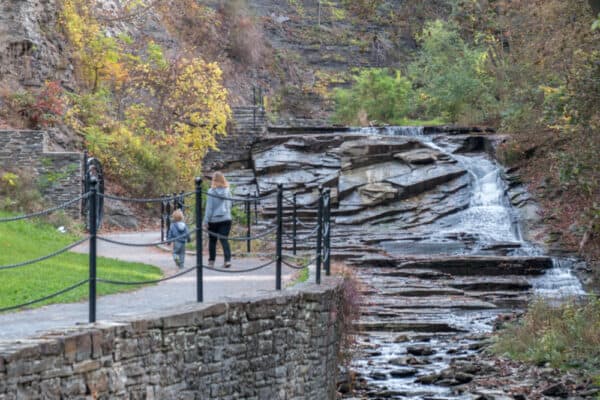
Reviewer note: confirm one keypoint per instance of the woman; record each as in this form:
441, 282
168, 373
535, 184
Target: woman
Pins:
218, 218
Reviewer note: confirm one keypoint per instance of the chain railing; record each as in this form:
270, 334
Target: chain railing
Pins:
320, 231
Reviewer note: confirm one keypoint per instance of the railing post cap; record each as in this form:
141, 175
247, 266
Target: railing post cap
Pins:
93, 180
198, 180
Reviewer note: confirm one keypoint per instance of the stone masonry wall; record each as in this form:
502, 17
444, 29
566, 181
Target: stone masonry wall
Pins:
58, 174
280, 347
247, 125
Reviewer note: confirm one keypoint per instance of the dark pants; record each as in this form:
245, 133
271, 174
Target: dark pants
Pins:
222, 229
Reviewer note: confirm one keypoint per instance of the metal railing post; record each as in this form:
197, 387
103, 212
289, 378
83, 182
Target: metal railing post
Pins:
199, 263
319, 234
295, 224
256, 208
93, 227
327, 239
162, 220
279, 235
248, 210
83, 181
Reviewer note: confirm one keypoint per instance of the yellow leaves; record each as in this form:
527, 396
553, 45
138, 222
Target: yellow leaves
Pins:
10, 179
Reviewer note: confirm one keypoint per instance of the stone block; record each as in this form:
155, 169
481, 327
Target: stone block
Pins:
86, 366
77, 347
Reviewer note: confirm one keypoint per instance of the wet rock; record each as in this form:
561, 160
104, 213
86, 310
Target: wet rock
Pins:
354, 178
420, 350
484, 265
491, 395
377, 146
556, 390
376, 193
280, 158
463, 377
401, 339
403, 373
403, 361
425, 178
428, 379
378, 376
418, 156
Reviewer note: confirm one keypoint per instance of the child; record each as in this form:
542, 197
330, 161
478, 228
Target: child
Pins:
180, 231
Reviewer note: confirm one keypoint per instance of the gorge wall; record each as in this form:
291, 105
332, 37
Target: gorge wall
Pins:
280, 347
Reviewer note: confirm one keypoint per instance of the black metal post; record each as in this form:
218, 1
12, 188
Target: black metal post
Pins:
279, 235
319, 235
93, 228
162, 220
199, 266
168, 216
248, 210
327, 239
83, 180
295, 224
256, 208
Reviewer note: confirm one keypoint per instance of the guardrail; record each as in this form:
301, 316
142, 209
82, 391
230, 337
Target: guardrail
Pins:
320, 231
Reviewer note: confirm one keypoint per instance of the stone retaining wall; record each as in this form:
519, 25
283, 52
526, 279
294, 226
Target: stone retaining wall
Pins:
280, 347
58, 174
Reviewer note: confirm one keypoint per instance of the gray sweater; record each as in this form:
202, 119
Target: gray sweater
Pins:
217, 208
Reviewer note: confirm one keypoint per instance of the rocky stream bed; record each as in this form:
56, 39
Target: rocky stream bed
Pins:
435, 231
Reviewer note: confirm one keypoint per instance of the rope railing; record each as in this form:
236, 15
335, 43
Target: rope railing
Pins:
46, 211
240, 238
148, 282
48, 297
148, 200
321, 229
46, 257
239, 199
151, 244
299, 267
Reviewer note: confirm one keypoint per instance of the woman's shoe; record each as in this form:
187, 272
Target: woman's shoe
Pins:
227, 264
211, 263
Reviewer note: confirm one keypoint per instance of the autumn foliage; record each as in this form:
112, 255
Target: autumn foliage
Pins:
148, 115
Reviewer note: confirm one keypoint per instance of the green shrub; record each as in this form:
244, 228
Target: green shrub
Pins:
19, 191
378, 95
451, 76
145, 167
565, 336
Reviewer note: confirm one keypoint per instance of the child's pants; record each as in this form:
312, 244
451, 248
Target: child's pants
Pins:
179, 253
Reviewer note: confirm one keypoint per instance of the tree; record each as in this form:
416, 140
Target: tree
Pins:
383, 95
451, 76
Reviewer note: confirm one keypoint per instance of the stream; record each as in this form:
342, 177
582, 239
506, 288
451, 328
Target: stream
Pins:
395, 359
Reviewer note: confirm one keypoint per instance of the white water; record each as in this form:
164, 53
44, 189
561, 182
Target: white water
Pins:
490, 217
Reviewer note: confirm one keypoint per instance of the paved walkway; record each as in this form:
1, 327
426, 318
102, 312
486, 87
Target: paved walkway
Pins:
121, 307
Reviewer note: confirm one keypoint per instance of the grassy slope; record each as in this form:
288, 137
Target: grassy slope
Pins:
23, 240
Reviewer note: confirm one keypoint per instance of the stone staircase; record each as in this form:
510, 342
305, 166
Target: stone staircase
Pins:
247, 125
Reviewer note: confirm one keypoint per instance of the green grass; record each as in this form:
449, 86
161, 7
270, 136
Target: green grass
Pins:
25, 240
565, 336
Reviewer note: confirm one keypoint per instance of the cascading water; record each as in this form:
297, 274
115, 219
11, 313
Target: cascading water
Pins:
486, 226
490, 217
